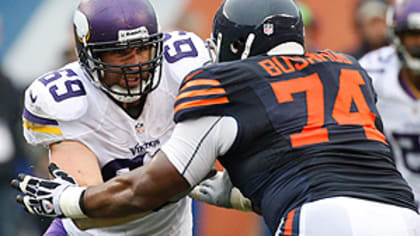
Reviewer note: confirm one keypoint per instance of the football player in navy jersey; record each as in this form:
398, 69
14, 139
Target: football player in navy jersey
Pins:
298, 134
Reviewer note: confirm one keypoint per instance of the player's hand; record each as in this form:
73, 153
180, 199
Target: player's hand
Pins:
215, 190
219, 191
42, 196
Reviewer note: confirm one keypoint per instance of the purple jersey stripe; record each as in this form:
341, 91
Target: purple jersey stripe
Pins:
36, 119
56, 229
405, 87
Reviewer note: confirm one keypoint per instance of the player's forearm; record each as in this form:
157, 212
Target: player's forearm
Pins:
145, 188
119, 197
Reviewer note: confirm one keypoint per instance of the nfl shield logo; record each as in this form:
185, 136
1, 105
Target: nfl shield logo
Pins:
268, 29
139, 128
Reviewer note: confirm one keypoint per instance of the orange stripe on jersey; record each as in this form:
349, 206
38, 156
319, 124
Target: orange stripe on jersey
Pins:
288, 225
199, 82
192, 75
201, 92
201, 102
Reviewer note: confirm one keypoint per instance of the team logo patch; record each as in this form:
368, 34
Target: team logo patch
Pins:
268, 29
82, 26
33, 98
138, 33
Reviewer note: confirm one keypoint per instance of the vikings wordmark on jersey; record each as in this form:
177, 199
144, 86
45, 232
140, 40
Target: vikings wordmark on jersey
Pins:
66, 105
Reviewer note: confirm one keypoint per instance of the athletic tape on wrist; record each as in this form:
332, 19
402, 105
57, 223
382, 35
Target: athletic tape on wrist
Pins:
69, 202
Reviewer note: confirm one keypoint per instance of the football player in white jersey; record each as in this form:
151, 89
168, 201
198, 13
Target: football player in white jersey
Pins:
110, 111
395, 71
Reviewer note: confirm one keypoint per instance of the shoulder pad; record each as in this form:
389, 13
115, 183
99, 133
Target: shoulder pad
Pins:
381, 65
200, 94
54, 97
58, 95
183, 52
379, 59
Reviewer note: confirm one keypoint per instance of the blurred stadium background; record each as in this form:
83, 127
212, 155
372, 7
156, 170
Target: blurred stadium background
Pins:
36, 36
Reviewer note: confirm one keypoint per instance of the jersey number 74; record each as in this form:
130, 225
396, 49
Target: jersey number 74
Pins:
349, 92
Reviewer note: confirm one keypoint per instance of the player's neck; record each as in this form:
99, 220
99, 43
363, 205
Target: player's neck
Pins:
412, 80
134, 109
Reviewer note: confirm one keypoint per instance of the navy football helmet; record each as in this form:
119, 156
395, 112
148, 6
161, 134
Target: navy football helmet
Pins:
109, 25
243, 28
404, 18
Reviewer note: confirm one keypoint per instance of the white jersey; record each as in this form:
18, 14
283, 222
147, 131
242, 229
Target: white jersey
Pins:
65, 105
399, 110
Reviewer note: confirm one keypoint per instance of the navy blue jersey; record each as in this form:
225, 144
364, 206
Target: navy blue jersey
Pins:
308, 129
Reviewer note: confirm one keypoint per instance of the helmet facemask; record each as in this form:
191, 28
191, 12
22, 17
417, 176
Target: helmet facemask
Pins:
404, 20
97, 68
409, 56
213, 45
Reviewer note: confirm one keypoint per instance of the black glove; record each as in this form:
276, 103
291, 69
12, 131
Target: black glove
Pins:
42, 196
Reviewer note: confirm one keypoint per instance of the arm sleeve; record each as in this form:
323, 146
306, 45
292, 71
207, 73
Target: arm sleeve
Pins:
196, 143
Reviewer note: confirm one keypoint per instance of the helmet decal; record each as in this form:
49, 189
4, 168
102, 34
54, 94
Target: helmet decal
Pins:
268, 29
82, 26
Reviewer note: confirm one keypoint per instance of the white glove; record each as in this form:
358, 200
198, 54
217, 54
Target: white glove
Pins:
219, 191
58, 197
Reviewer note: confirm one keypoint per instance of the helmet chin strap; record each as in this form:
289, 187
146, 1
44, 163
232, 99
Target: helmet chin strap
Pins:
248, 44
116, 92
123, 94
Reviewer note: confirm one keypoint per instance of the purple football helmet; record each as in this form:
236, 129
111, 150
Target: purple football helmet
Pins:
116, 25
243, 28
404, 17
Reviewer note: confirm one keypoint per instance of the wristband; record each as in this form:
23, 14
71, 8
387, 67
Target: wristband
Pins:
70, 202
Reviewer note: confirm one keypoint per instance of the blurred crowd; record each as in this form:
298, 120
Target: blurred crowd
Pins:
370, 24
17, 156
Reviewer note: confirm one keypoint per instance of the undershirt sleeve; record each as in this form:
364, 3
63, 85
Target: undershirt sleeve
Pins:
195, 145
